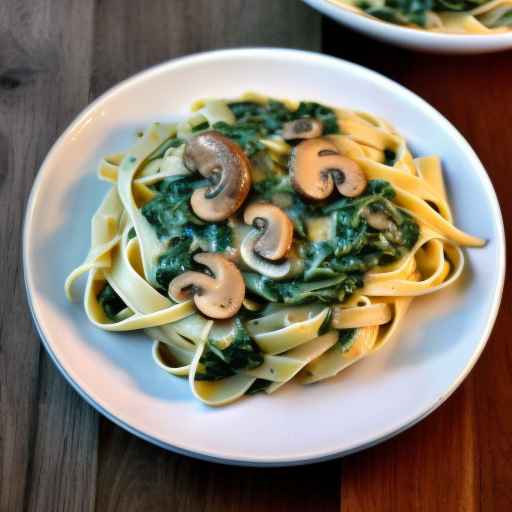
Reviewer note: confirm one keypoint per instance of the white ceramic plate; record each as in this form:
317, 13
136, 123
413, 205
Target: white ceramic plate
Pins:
412, 38
440, 341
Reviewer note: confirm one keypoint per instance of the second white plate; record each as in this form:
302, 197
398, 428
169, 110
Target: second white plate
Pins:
414, 39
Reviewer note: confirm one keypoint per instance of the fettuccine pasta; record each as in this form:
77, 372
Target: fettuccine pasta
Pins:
458, 17
261, 241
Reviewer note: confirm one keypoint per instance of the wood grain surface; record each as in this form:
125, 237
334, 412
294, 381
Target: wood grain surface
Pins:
56, 452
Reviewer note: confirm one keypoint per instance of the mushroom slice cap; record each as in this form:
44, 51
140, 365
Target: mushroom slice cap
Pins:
224, 162
261, 265
303, 128
275, 227
220, 296
316, 167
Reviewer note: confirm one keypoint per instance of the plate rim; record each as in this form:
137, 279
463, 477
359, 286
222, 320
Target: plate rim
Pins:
253, 461
416, 38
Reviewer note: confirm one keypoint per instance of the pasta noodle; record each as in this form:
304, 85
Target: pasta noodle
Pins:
459, 17
298, 286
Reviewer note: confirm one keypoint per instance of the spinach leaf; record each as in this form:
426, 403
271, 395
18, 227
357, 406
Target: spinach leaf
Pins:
214, 368
409, 231
169, 212
256, 121
160, 150
176, 260
258, 386
404, 12
262, 286
246, 135
346, 339
324, 114
174, 221
110, 301
242, 353
326, 324
389, 157
276, 186
400, 11
218, 237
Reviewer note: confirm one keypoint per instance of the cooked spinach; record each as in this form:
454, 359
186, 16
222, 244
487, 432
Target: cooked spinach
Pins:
326, 324
256, 121
246, 135
258, 386
110, 301
176, 260
242, 353
280, 186
170, 212
389, 157
174, 222
262, 286
346, 339
320, 112
160, 150
334, 269
405, 12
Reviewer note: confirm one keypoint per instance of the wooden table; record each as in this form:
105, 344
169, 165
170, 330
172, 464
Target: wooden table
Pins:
56, 452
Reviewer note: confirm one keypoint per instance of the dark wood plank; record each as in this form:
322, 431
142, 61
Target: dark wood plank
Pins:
47, 434
457, 459
132, 35
132, 474
138, 476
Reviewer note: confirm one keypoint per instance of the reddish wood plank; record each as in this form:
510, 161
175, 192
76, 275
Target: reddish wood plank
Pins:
457, 459
47, 434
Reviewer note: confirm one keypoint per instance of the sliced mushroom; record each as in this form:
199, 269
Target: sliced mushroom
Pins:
225, 164
216, 297
269, 242
261, 265
275, 227
304, 128
316, 167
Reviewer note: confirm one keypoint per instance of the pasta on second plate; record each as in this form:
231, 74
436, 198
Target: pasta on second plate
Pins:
262, 241
463, 16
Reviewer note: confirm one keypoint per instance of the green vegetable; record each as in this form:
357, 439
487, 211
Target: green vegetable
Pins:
255, 121
279, 185
160, 150
406, 12
262, 286
214, 368
324, 114
200, 127
332, 269
258, 386
242, 353
170, 212
389, 157
174, 221
176, 260
346, 339
132, 233
245, 135
326, 324
110, 301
